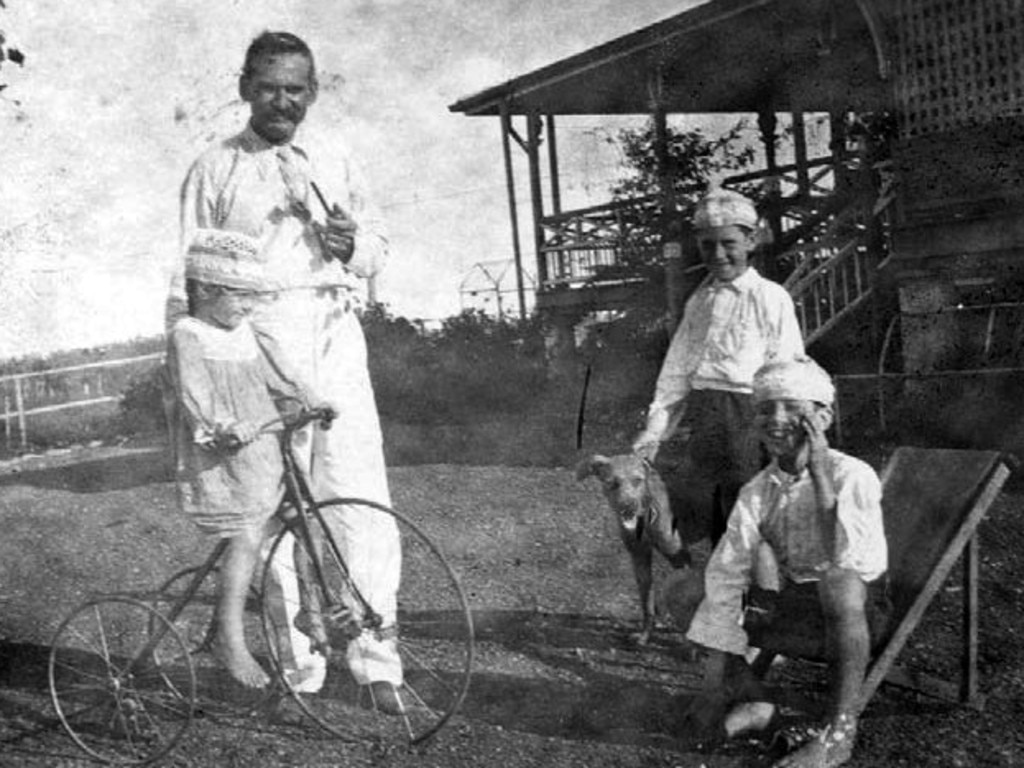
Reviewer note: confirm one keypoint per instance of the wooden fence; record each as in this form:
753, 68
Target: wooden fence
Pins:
75, 386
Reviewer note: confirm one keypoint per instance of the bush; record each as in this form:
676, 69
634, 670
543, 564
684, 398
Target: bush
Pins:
141, 405
474, 366
476, 390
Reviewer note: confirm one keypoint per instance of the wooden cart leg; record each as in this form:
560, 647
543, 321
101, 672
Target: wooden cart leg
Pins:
969, 661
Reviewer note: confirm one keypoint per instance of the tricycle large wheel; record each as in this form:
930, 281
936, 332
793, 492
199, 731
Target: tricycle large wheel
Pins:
432, 628
121, 680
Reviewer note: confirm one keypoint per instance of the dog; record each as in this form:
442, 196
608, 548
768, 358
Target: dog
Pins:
649, 519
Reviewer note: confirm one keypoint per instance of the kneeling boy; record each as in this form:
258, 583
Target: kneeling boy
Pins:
814, 516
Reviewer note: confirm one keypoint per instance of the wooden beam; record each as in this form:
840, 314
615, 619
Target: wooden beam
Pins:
672, 249
510, 184
767, 123
876, 27
803, 176
556, 190
523, 143
837, 145
533, 124
969, 661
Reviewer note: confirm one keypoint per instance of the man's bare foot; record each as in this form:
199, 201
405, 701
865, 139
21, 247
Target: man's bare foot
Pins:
830, 748
243, 667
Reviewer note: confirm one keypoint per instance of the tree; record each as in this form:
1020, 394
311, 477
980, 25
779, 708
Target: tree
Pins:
692, 161
8, 53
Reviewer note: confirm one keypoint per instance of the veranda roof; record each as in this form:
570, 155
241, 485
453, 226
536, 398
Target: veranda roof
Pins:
723, 56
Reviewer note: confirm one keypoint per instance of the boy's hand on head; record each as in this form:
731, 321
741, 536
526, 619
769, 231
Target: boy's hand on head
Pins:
817, 442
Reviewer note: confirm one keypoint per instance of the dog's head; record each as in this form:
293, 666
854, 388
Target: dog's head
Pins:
624, 480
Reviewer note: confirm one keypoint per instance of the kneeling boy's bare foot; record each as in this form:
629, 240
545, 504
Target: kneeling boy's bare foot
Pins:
831, 748
243, 668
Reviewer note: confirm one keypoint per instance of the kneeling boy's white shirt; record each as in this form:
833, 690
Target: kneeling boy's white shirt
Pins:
781, 509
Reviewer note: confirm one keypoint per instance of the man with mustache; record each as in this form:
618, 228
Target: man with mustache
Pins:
266, 182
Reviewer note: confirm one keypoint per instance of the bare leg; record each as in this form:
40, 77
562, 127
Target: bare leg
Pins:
847, 636
235, 575
848, 640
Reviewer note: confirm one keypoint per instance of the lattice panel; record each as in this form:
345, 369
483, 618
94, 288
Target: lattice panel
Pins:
958, 62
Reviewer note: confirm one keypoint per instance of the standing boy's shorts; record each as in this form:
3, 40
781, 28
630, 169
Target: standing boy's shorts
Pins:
714, 452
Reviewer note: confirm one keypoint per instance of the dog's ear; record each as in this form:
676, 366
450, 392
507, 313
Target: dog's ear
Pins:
592, 465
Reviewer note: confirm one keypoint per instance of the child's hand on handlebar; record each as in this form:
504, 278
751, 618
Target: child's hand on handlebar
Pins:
299, 418
236, 435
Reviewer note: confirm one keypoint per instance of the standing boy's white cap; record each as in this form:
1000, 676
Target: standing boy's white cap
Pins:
722, 208
223, 257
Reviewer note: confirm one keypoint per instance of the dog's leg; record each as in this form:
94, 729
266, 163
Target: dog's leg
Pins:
661, 526
641, 555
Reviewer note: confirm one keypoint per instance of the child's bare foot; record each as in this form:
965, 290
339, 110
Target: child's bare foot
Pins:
243, 667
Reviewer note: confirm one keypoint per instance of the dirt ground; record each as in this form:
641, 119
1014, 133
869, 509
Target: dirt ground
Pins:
557, 681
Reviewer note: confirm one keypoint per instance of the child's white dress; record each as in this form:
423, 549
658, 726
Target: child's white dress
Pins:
221, 377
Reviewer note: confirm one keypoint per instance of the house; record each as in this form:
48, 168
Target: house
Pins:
905, 234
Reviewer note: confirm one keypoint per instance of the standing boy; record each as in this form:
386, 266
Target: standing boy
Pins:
735, 322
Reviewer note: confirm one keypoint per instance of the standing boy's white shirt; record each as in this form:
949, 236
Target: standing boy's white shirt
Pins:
728, 331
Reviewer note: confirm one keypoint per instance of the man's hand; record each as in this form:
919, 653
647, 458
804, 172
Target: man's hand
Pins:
329, 414
338, 235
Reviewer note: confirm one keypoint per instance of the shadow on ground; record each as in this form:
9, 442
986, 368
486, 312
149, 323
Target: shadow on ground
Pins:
584, 678
565, 676
113, 473
28, 723
569, 677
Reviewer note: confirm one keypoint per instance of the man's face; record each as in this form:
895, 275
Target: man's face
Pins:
725, 250
279, 90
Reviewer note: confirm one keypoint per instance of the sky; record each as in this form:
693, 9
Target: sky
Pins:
116, 99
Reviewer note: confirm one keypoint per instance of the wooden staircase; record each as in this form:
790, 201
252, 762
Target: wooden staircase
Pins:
835, 264
827, 255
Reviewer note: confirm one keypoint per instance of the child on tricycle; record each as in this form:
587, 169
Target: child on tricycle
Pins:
228, 384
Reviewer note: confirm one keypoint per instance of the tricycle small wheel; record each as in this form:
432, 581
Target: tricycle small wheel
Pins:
113, 691
217, 694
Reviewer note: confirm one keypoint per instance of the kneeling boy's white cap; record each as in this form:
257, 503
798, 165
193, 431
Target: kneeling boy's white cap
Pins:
798, 379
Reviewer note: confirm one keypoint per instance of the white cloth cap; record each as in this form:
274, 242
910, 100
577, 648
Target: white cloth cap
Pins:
798, 379
222, 257
723, 207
